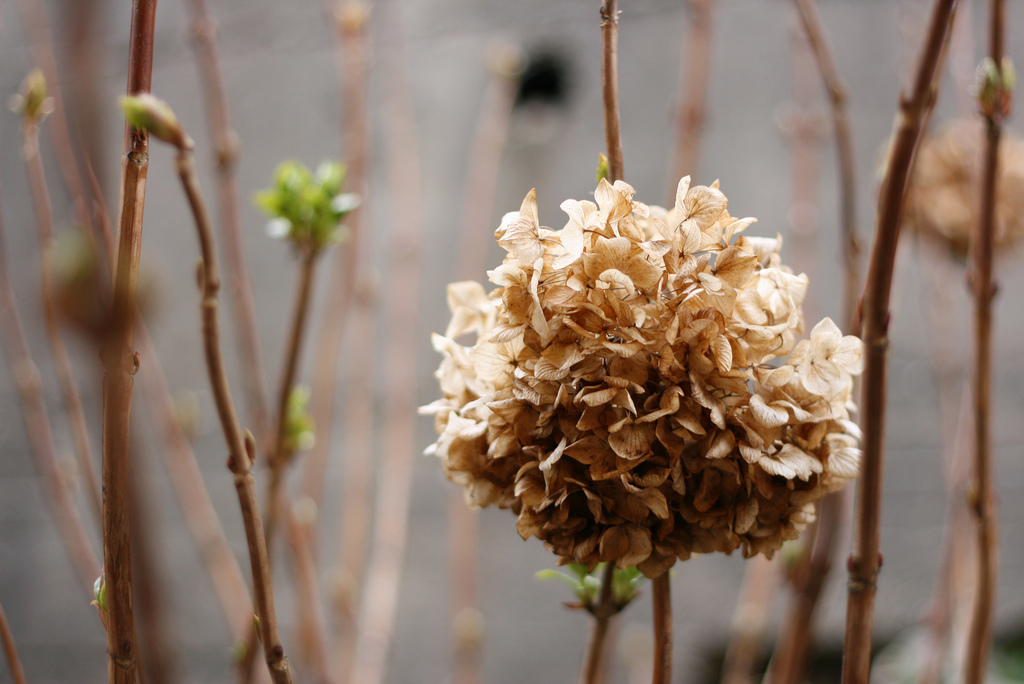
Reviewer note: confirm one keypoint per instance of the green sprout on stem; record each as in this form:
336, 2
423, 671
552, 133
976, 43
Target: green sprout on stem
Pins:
299, 425
307, 208
586, 584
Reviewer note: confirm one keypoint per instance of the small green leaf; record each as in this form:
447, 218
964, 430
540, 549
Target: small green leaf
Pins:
560, 576
99, 592
602, 168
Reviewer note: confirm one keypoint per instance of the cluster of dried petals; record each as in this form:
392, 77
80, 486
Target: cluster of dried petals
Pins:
621, 396
943, 196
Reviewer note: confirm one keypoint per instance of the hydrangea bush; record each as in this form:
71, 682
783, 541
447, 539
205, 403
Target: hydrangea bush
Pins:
635, 392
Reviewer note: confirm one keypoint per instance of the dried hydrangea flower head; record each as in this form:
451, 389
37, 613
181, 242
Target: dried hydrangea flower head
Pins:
942, 197
620, 396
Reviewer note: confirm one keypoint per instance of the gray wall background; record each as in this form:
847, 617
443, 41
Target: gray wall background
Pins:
279, 66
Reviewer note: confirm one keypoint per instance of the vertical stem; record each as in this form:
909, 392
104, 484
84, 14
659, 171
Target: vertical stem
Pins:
761, 578
10, 650
183, 468
865, 560
351, 21
33, 18
226, 146
693, 95
279, 455
242, 450
662, 597
603, 611
610, 87
65, 376
120, 362
844, 153
481, 184
982, 499
40, 436
380, 599
158, 663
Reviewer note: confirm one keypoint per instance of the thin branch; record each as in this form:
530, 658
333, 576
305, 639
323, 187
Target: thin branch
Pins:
995, 104
120, 361
690, 116
280, 455
158, 664
865, 560
312, 621
504, 67
242, 450
10, 650
662, 599
180, 460
844, 153
954, 586
610, 87
603, 611
380, 600
40, 436
65, 376
357, 497
34, 20
743, 653
351, 22
226, 147
796, 635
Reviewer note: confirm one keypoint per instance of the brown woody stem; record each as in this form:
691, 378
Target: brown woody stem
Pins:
982, 499
610, 87
865, 560
662, 598
241, 451
280, 455
120, 362
180, 460
603, 611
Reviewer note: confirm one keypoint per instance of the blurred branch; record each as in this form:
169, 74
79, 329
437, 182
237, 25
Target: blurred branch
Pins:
351, 23
10, 650
504, 64
37, 426
226, 146
844, 153
865, 560
760, 579
380, 599
65, 376
995, 92
692, 95
33, 19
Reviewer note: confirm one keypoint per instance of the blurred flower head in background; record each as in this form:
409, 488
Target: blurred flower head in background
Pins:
944, 190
